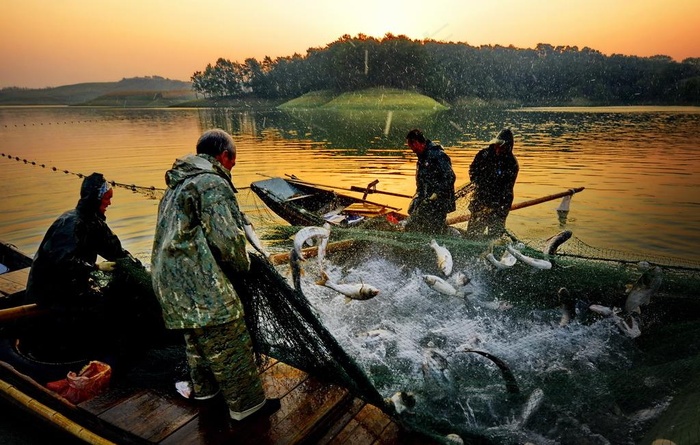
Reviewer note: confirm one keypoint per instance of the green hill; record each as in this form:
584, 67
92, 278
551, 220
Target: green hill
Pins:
367, 99
144, 89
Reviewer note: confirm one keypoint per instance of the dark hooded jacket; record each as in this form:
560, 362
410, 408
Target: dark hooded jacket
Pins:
60, 276
493, 177
434, 174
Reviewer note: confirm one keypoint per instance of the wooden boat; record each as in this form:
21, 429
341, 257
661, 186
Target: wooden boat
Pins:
312, 411
304, 204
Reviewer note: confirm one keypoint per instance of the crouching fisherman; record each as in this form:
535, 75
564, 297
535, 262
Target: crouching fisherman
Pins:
90, 315
198, 248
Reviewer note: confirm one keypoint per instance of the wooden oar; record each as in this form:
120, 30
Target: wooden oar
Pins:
462, 218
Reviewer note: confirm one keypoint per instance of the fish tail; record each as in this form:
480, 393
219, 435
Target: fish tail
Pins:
324, 278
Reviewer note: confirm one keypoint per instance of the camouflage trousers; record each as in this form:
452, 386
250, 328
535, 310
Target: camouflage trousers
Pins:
221, 358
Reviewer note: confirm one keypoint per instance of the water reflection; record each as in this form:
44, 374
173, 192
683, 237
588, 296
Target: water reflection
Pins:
638, 167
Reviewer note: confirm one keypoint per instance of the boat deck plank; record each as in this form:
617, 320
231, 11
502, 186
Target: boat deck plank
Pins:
311, 412
150, 415
14, 281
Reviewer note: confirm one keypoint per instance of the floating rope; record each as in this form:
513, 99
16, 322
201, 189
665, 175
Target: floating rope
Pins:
149, 192
48, 123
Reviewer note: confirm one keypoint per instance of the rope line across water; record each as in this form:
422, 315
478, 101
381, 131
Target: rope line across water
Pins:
150, 192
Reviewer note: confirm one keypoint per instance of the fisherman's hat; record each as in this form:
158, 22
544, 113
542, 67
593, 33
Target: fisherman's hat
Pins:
504, 137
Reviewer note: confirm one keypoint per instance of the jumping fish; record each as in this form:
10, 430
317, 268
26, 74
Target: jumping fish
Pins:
605, 311
534, 262
295, 266
440, 285
628, 323
307, 233
643, 289
568, 306
460, 278
532, 404
352, 291
322, 246
511, 383
402, 401
506, 261
436, 374
454, 439
252, 236
444, 257
557, 240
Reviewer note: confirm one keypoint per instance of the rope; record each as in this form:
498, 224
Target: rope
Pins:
150, 192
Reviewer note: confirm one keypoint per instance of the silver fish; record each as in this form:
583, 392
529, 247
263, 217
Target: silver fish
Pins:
402, 401
454, 439
354, 291
444, 257
440, 285
643, 289
307, 233
252, 236
534, 262
460, 278
532, 404
295, 266
568, 306
628, 323
435, 368
557, 240
321, 254
506, 261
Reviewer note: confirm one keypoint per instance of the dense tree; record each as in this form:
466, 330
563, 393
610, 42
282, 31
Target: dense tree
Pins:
451, 71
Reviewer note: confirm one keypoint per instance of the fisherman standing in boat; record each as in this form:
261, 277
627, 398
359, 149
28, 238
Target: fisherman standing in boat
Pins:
62, 279
199, 247
435, 180
492, 174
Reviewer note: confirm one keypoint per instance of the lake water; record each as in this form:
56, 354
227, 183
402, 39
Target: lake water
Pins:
639, 167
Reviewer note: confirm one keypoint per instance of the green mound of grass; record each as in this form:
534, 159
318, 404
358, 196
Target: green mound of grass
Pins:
367, 99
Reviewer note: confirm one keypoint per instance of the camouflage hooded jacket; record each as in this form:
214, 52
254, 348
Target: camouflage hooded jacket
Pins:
199, 243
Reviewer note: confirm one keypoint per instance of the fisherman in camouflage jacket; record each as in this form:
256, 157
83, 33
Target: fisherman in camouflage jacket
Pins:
199, 247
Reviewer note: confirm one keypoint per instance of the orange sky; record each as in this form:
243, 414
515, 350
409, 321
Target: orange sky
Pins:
61, 42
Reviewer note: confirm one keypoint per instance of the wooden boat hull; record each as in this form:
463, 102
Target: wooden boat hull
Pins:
303, 204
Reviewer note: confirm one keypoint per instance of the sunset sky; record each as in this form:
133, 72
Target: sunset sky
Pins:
60, 42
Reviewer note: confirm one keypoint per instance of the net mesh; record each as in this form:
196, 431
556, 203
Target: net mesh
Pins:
579, 373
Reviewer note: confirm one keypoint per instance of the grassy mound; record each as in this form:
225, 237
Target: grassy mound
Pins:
368, 99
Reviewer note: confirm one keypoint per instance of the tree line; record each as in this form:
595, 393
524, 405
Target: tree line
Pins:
454, 72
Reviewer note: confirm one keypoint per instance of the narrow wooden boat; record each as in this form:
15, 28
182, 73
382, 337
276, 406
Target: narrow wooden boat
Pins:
304, 204
143, 406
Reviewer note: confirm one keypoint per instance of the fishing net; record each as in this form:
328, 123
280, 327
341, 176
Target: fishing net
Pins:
515, 355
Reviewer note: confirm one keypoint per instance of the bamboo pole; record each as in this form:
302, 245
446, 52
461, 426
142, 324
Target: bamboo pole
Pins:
281, 258
51, 415
462, 218
19, 312
353, 188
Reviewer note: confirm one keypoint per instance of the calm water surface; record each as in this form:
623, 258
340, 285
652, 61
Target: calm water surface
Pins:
639, 165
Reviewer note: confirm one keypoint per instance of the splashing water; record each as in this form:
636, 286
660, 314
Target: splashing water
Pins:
412, 338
